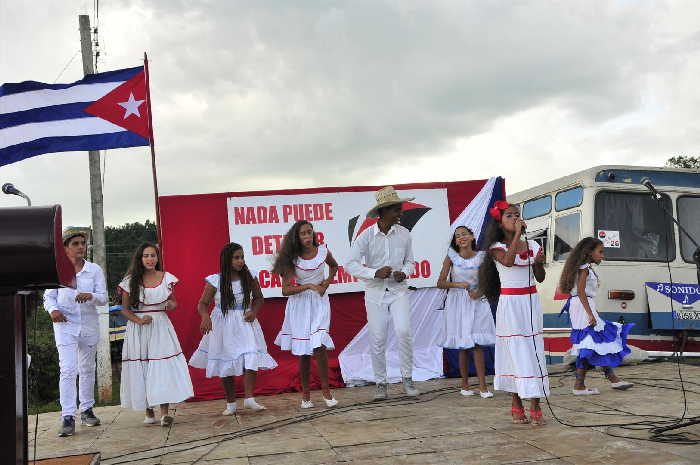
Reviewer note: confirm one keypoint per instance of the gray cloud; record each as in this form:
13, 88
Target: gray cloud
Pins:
256, 95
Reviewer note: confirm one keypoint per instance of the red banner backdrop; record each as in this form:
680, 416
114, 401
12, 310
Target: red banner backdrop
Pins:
195, 228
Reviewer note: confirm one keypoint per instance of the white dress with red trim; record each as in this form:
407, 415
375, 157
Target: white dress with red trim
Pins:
154, 370
307, 316
233, 345
468, 322
520, 364
604, 344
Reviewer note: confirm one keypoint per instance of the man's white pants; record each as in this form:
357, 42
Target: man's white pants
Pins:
76, 358
399, 309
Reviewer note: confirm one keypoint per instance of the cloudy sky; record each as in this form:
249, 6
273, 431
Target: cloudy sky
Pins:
255, 95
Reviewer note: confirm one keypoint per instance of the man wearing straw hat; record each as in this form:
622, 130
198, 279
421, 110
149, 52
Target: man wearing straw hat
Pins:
76, 330
388, 261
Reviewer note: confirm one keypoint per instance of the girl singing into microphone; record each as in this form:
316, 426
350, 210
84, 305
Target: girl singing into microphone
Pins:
509, 272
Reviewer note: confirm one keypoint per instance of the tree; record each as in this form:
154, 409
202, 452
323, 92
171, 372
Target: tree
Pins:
683, 161
121, 241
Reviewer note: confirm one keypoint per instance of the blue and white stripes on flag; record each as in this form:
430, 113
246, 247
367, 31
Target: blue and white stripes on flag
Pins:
475, 216
38, 118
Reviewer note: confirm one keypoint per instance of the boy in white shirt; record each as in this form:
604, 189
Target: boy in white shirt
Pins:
388, 261
76, 330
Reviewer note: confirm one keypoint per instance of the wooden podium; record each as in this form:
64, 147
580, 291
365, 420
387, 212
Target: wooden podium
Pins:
32, 258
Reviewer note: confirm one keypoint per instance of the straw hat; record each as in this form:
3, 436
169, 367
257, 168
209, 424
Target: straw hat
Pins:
386, 196
71, 231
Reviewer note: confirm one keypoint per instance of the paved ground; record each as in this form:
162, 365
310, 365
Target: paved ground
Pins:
441, 427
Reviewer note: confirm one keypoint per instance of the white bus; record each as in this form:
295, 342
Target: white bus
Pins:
649, 276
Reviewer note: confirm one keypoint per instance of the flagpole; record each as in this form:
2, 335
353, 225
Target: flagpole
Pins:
153, 150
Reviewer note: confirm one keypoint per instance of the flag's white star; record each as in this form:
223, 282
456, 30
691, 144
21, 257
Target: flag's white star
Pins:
131, 106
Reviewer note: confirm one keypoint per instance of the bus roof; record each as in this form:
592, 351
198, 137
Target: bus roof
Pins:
618, 174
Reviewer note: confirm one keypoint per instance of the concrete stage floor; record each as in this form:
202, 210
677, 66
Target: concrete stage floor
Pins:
441, 427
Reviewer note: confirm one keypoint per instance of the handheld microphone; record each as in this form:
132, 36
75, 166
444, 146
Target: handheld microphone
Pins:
9, 189
646, 182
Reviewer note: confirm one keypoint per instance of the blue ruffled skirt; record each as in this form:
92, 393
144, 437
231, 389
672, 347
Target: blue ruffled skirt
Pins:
604, 345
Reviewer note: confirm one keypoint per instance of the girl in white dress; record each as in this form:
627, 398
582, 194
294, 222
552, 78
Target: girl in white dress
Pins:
509, 273
467, 314
596, 342
154, 370
233, 343
305, 331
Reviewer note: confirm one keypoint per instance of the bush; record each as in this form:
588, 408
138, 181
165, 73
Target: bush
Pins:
43, 373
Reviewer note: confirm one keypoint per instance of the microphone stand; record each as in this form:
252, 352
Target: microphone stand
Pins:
696, 258
10, 189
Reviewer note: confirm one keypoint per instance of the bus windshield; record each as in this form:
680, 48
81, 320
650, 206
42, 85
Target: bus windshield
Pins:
645, 232
689, 217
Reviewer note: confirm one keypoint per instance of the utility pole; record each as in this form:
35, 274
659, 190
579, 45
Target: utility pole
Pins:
104, 361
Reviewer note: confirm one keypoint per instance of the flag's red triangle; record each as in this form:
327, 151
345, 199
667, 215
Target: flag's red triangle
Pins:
125, 106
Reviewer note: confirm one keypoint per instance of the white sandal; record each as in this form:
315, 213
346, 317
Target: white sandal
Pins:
586, 392
307, 404
621, 385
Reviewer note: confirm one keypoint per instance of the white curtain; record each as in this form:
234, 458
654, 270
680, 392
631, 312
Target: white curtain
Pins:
427, 325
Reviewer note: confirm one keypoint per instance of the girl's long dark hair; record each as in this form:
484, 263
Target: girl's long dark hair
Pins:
228, 299
454, 245
290, 249
489, 281
136, 271
579, 256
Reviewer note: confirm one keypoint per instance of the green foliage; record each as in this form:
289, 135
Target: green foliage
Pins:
682, 161
121, 241
43, 370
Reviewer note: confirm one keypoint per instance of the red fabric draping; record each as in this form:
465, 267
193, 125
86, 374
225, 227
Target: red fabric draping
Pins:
195, 228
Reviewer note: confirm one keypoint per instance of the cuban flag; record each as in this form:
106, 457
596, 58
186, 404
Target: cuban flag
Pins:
101, 111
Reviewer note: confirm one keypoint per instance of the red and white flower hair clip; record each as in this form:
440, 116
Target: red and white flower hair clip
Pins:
496, 211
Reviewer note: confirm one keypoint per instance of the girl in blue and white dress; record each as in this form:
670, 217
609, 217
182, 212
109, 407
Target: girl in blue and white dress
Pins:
510, 272
307, 317
233, 343
596, 342
468, 323
154, 370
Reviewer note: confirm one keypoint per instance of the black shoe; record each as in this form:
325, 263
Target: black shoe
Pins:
87, 418
67, 427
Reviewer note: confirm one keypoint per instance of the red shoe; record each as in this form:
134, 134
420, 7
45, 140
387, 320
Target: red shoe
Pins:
519, 417
536, 418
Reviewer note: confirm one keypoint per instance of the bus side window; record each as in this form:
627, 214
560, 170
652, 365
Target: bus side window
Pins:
567, 233
538, 230
568, 199
537, 207
540, 236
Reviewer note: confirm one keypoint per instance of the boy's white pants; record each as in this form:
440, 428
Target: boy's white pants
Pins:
76, 358
397, 307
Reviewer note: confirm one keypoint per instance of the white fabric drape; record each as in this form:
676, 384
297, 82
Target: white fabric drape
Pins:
474, 215
426, 324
